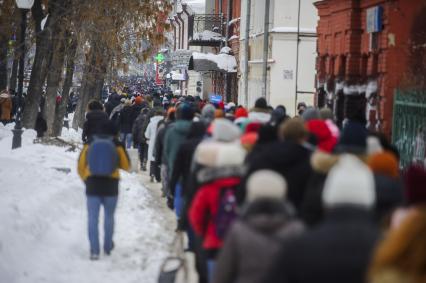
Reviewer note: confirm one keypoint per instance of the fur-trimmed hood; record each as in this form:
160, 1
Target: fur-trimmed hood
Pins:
322, 162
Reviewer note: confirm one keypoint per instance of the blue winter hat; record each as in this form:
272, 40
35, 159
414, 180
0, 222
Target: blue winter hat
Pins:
185, 112
353, 139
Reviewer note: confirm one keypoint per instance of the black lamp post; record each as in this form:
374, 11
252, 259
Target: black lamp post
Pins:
24, 6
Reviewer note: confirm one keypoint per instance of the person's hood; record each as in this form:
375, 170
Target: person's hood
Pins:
263, 116
156, 119
268, 216
96, 115
285, 154
322, 162
182, 126
212, 153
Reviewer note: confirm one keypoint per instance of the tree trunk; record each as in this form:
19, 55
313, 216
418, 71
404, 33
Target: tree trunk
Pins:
93, 77
14, 73
54, 77
3, 61
35, 87
71, 51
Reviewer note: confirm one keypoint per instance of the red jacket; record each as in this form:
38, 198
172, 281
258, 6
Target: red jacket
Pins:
204, 209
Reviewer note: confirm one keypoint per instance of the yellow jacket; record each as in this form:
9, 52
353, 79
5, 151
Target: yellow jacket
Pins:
83, 167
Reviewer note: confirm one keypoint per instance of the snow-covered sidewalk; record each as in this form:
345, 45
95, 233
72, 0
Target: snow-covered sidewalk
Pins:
43, 235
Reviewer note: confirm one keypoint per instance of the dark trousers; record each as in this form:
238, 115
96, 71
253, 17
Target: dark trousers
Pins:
155, 171
143, 153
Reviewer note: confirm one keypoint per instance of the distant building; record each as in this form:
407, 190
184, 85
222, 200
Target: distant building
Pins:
292, 52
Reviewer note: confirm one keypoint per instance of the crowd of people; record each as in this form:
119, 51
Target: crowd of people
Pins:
264, 197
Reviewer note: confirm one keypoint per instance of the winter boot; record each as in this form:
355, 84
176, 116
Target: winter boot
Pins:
94, 256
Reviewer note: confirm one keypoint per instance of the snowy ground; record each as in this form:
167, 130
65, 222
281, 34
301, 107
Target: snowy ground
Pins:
43, 220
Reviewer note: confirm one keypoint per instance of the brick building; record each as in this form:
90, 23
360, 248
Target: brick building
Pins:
364, 56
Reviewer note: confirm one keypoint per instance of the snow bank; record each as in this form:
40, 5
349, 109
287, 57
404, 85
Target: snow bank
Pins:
43, 221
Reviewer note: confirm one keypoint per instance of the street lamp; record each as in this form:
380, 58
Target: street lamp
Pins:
24, 6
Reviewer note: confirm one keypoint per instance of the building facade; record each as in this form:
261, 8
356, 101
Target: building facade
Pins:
364, 51
291, 53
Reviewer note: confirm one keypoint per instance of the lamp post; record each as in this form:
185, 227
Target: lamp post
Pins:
24, 6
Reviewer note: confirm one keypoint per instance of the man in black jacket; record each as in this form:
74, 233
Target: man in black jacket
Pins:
97, 122
290, 157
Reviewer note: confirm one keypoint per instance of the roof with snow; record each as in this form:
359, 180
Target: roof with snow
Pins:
206, 38
203, 62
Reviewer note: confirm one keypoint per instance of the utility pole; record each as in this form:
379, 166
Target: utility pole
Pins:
246, 51
228, 17
297, 58
265, 48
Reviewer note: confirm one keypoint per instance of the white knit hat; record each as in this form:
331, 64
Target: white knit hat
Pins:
266, 184
225, 131
349, 182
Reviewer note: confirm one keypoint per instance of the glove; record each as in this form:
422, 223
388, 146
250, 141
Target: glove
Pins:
170, 202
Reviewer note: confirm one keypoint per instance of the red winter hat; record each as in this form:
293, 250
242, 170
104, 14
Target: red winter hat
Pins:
415, 189
326, 141
241, 112
138, 100
221, 105
253, 127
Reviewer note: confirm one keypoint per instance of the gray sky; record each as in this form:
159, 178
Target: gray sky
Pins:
197, 5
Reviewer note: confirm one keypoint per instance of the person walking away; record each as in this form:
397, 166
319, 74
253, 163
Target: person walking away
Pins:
175, 135
254, 240
5, 107
40, 125
160, 158
339, 249
127, 118
150, 135
401, 256
220, 169
261, 112
98, 166
97, 122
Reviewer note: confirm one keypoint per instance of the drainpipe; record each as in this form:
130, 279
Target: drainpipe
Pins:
182, 35
246, 52
265, 48
297, 58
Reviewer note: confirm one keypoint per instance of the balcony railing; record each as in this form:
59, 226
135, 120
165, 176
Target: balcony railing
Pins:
207, 30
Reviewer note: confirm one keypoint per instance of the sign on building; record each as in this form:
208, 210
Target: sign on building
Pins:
288, 74
375, 19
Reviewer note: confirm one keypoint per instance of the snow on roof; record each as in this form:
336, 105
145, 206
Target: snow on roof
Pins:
224, 62
293, 30
225, 50
208, 35
233, 21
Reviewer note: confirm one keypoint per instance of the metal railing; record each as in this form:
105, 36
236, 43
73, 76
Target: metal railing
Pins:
200, 23
409, 126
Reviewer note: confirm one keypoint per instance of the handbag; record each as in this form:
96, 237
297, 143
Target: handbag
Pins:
174, 269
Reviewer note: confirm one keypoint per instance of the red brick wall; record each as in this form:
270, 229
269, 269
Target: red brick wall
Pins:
343, 46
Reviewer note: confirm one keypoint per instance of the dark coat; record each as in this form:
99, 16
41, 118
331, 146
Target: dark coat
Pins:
97, 123
338, 250
128, 116
138, 126
40, 126
254, 241
290, 160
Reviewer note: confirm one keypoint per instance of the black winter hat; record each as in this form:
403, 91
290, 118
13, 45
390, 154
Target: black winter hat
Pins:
353, 139
261, 103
